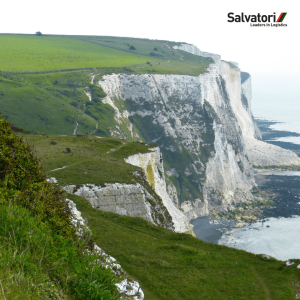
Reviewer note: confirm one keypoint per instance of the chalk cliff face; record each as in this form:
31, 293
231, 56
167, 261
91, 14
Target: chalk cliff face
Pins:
204, 127
152, 164
125, 199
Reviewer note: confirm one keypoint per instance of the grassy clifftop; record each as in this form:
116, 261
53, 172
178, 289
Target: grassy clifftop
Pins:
30, 53
81, 161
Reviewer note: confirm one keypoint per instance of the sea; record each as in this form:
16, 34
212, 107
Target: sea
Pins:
276, 110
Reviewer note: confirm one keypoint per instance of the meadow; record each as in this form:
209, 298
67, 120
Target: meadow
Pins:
30, 53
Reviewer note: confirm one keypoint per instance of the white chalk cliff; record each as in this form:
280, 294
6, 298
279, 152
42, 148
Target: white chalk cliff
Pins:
152, 164
204, 128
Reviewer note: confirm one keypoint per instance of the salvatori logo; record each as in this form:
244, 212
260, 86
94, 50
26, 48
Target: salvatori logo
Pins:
258, 20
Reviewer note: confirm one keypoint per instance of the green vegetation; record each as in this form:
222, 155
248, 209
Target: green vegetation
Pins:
26, 53
278, 168
41, 256
176, 266
100, 161
47, 103
38, 263
31, 53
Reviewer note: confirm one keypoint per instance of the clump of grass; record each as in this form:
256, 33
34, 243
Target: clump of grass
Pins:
38, 263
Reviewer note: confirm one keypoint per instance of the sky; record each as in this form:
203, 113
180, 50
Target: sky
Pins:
269, 54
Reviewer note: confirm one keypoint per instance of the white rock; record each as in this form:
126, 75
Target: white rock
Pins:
125, 287
289, 263
52, 180
152, 164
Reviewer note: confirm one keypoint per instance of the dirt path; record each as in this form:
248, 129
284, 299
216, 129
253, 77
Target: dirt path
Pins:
262, 283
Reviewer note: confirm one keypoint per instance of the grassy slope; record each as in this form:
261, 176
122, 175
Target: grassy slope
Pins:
40, 252
37, 263
33, 53
52, 103
26, 53
177, 266
160, 54
34, 107
87, 162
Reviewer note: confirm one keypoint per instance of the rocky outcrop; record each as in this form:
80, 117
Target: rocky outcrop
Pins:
127, 288
125, 199
152, 164
204, 128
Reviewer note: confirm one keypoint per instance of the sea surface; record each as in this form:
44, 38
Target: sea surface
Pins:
279, 234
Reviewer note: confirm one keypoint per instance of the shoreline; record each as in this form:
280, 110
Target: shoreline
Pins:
283, 190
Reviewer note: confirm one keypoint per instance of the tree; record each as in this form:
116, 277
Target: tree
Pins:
38, 33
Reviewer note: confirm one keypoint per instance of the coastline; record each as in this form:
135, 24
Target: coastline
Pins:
283, 190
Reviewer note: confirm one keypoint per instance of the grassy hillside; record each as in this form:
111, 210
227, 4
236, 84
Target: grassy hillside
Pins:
100, 161
177, 266
29, 53
25, 53
41, 255
54, 103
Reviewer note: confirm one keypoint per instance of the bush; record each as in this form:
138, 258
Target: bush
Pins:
23, 182
155, 54
53, 143
132, 48
68, 150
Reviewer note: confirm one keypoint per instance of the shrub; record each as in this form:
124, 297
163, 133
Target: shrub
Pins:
53, 143
23, 182
68, 150
155, 54
132, 48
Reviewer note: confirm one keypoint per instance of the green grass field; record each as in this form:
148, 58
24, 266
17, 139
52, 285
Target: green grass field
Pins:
30, 53
46, 53
177, 266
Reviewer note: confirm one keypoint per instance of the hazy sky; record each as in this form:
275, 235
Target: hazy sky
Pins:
268, 53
